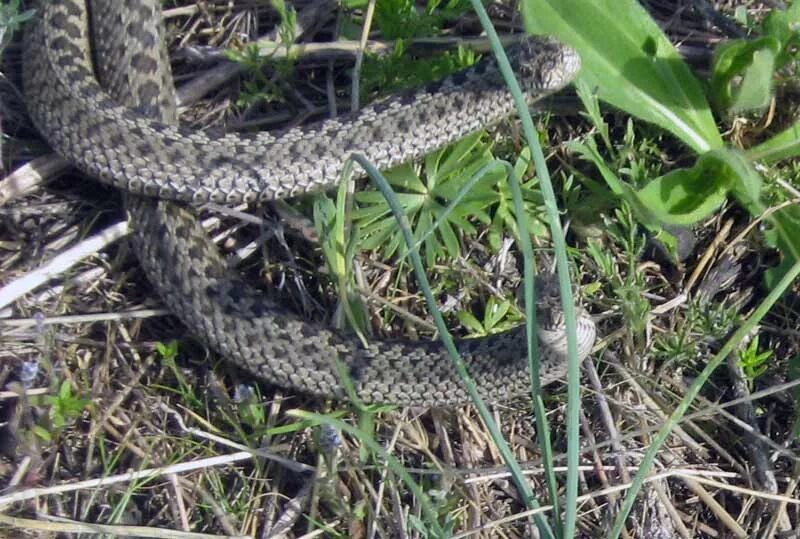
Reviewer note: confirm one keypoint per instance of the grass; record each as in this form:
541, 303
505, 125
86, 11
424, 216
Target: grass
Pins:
672, 236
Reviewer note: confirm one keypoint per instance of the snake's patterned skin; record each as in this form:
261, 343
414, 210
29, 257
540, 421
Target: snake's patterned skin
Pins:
129, 139
145, 156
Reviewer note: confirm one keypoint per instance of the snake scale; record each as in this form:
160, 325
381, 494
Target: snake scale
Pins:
98, 86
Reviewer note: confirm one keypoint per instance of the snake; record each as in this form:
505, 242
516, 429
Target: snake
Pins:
98, 87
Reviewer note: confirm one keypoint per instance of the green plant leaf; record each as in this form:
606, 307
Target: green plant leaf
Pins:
495, 312
42, 433
168, 350
785, 27
631, 64
753, 362
442, 163
469, 321
685, 196
747, 181
784, 145
591, 103
589, 151
742, 73
441, 205
405, 177
783, 234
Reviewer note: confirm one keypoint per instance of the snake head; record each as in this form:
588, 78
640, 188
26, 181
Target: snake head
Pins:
544, 65
548, 300
547, 290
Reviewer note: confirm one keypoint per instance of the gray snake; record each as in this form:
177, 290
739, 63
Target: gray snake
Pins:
121, 129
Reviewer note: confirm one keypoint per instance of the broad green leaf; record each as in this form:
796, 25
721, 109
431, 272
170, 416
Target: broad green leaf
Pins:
495, 312
747, 181
450, 239
784, 145
783, 26
742, 73
631, 64
755, 90
42, 433
686, 196
777, 25
794, 12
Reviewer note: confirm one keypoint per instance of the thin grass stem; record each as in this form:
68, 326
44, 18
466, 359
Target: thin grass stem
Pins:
691, 393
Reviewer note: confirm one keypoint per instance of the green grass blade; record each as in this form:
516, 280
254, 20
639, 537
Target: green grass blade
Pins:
447, 340
534, 363
395, 465
559, 245
542, 426
694, 389
618, 41
530, 312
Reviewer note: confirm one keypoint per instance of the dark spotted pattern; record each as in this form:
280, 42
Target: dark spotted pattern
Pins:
105, 137
185, 165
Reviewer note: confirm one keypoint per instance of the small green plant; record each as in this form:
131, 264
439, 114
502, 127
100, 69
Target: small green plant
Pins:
400, 71
713, 319
287, 33
399, 19
64, 408
753, 362
498, 316
603, 258
675, 347
742, 72
705, 322
338, 239
259, 88
169, 354
620, 269
429, 198
169, 351
425, 197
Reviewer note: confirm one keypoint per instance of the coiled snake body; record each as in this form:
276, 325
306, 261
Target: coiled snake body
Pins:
130, 141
